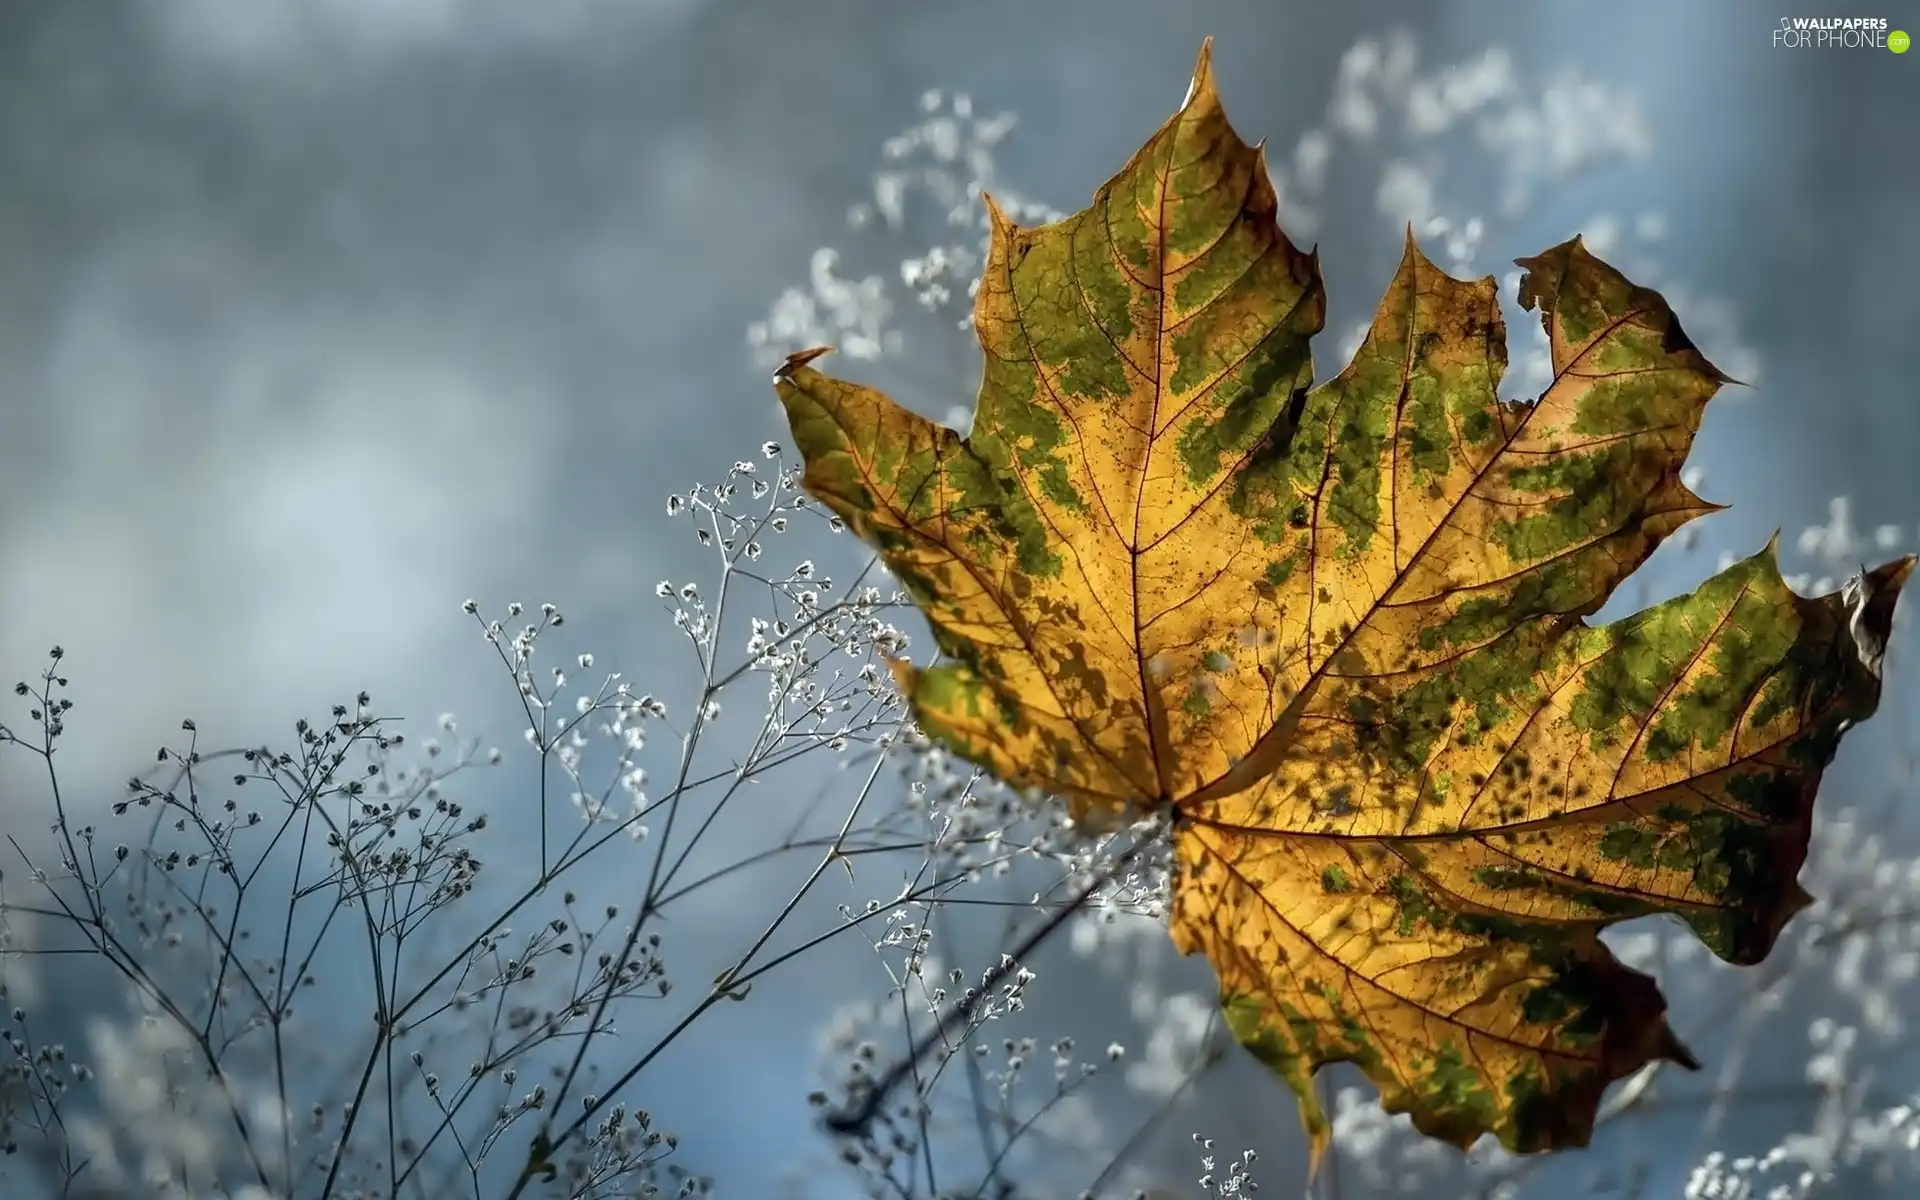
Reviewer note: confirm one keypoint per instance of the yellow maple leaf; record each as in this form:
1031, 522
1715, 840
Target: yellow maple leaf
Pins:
1337, 633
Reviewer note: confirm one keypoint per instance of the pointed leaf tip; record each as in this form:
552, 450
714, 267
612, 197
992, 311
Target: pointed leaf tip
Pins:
1202, 82
798, 359
998, 222
1893, 575
1871, 597
1673, 1050
903, 672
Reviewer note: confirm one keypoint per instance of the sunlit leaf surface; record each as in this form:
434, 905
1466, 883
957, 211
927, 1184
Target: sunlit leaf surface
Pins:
1338, 632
